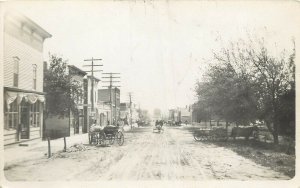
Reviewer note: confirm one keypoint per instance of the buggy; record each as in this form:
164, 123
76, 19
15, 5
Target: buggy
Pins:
99, 135
158, 128
210, 134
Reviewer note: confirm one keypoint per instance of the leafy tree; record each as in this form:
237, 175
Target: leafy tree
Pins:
227, 93
61, 90
276, 78
248, 83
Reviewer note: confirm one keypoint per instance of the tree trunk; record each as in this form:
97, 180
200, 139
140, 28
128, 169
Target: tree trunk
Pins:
227, 124
275, 132
275, 137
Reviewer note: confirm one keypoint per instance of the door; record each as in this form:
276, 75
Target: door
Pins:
102, 119
24, 120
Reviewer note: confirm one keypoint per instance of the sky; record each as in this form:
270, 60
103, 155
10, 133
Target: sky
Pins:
161, 48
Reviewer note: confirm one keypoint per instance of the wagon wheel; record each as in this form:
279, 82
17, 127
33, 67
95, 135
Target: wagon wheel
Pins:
90, 138
93, 138
255, 135
120, 138
112, 139
197, 138
101, 138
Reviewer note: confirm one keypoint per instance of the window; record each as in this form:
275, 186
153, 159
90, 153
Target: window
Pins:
11, 118
16, 61
34, 67
35, 114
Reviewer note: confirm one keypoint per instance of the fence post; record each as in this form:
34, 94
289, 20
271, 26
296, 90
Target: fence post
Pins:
49, 147
65, 144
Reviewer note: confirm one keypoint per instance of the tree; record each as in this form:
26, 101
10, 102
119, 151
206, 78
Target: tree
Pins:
61, 90
227, 93
276, 78
248, 83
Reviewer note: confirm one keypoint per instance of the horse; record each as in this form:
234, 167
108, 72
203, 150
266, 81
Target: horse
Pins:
244, 132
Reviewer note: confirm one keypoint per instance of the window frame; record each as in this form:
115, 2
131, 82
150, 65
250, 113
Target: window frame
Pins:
11, 115
35, 115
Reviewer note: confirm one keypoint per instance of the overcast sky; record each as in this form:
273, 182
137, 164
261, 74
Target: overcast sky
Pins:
158, 47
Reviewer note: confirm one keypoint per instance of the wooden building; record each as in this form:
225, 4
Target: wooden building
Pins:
23, 78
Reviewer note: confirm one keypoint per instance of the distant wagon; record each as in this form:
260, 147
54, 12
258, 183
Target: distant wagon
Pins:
245, 132
221, 133
210, 134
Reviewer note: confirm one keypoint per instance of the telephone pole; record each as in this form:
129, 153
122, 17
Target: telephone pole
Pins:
130, 105
112, 76
92, 72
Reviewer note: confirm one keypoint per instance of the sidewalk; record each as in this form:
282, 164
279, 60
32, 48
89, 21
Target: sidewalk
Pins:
39, 149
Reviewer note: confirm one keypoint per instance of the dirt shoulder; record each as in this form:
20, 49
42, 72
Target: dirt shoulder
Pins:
265, 154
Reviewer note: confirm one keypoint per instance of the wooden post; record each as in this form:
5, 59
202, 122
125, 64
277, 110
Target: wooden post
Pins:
65, 144
227, 124
49, 147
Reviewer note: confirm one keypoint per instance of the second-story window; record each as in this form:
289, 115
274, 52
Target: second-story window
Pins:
34, 67
16, 61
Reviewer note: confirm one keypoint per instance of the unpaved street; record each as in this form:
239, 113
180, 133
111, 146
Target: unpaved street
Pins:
172, 155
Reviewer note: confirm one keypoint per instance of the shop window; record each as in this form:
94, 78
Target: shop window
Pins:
35, 114
11, 116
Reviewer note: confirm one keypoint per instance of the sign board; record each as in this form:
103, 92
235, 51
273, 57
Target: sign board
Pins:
56, 127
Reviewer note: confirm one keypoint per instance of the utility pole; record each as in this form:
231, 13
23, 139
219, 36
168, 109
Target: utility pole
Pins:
130, 105
111, 76
92, 72
85, 107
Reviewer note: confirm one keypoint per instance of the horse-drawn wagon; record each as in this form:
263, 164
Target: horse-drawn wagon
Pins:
210, 134
222, 134
99, 135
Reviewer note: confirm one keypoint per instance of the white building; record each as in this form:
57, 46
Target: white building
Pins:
23, 78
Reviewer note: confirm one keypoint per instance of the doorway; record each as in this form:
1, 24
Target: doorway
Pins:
24, 120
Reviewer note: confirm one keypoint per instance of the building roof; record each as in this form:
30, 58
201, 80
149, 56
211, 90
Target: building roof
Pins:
77, 70
28, 22
97, 79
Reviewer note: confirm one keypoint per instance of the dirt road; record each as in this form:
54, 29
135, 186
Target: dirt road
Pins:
172, 155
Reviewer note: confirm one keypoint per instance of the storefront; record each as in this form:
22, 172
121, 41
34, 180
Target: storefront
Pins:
23, 115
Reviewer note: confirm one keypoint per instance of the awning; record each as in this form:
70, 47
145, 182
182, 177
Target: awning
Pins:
31, 98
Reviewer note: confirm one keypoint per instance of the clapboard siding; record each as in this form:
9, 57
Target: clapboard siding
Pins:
10, 138
35, 132
24, 39
28, 56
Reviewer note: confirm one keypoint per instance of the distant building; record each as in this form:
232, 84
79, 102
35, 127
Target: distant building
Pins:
157, 114
23, 78
103, 113
180, 115
77, 121
185, 115
174, 115
111, 97
125, 111
90, 110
